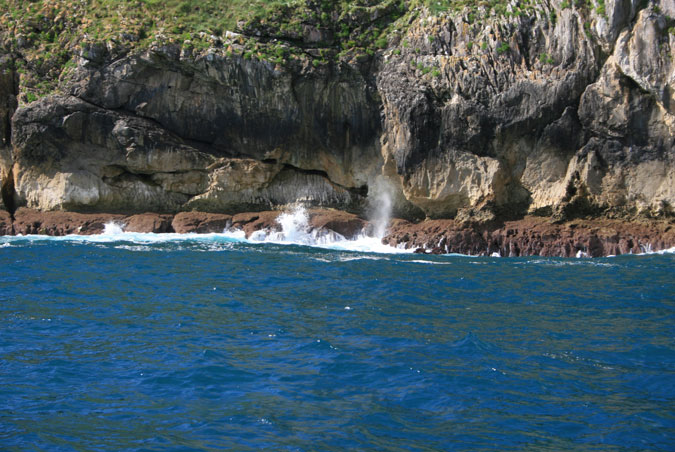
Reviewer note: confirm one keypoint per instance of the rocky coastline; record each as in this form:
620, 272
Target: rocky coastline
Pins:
545, 127
529, 236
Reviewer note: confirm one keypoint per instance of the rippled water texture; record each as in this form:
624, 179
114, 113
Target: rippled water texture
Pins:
216, 345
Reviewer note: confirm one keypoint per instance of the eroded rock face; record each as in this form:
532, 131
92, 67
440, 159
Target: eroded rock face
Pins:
72, 155
156, 132
460, 134
243, 108
629, 159
525, 114
563, 112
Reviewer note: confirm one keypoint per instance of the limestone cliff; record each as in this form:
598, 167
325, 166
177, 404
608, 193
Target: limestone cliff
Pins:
476, 114
567, 112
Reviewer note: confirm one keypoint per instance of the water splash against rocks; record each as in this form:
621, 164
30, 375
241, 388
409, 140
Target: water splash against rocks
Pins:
296, 229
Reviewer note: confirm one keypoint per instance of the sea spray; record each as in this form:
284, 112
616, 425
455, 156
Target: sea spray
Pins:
380, 203
295, 226
113, 228
296, 229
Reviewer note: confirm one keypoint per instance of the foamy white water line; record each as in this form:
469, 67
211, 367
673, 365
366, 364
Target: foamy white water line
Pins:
333, 241
361, 244
295, 230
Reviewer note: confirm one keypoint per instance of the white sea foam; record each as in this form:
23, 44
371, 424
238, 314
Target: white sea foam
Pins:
418, 261
295, 230
113, 233
647, 250
113, 228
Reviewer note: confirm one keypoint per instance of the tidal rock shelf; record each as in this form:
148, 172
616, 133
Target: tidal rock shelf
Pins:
530, 236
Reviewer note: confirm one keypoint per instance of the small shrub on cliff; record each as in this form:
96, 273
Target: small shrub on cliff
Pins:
600, 9
503, 48
545, 58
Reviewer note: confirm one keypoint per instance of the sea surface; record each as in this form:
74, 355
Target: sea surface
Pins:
141, 342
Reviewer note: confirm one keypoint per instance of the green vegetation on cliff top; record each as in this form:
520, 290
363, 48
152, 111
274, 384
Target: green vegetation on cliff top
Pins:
56, 25
44, 34
135, 20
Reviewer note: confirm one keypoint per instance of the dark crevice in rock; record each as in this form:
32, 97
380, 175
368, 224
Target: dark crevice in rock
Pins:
7, 126
129, 175
8, 195
9, 90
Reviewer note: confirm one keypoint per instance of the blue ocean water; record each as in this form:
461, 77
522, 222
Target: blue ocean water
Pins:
200, 344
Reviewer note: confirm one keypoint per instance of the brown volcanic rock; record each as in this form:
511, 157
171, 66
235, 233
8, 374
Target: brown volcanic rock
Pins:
255, 221
344, 223
200, 222
5, 223
536, 236
148, 222
57, 223
594, 238
525, 237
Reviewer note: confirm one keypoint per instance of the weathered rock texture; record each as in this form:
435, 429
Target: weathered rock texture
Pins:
528, 114
534, 236
158, 132
200, 222
563, 111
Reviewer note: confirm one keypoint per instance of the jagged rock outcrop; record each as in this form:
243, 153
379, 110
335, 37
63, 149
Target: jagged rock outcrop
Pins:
629, 160
460, 135
481, 115
526, 114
